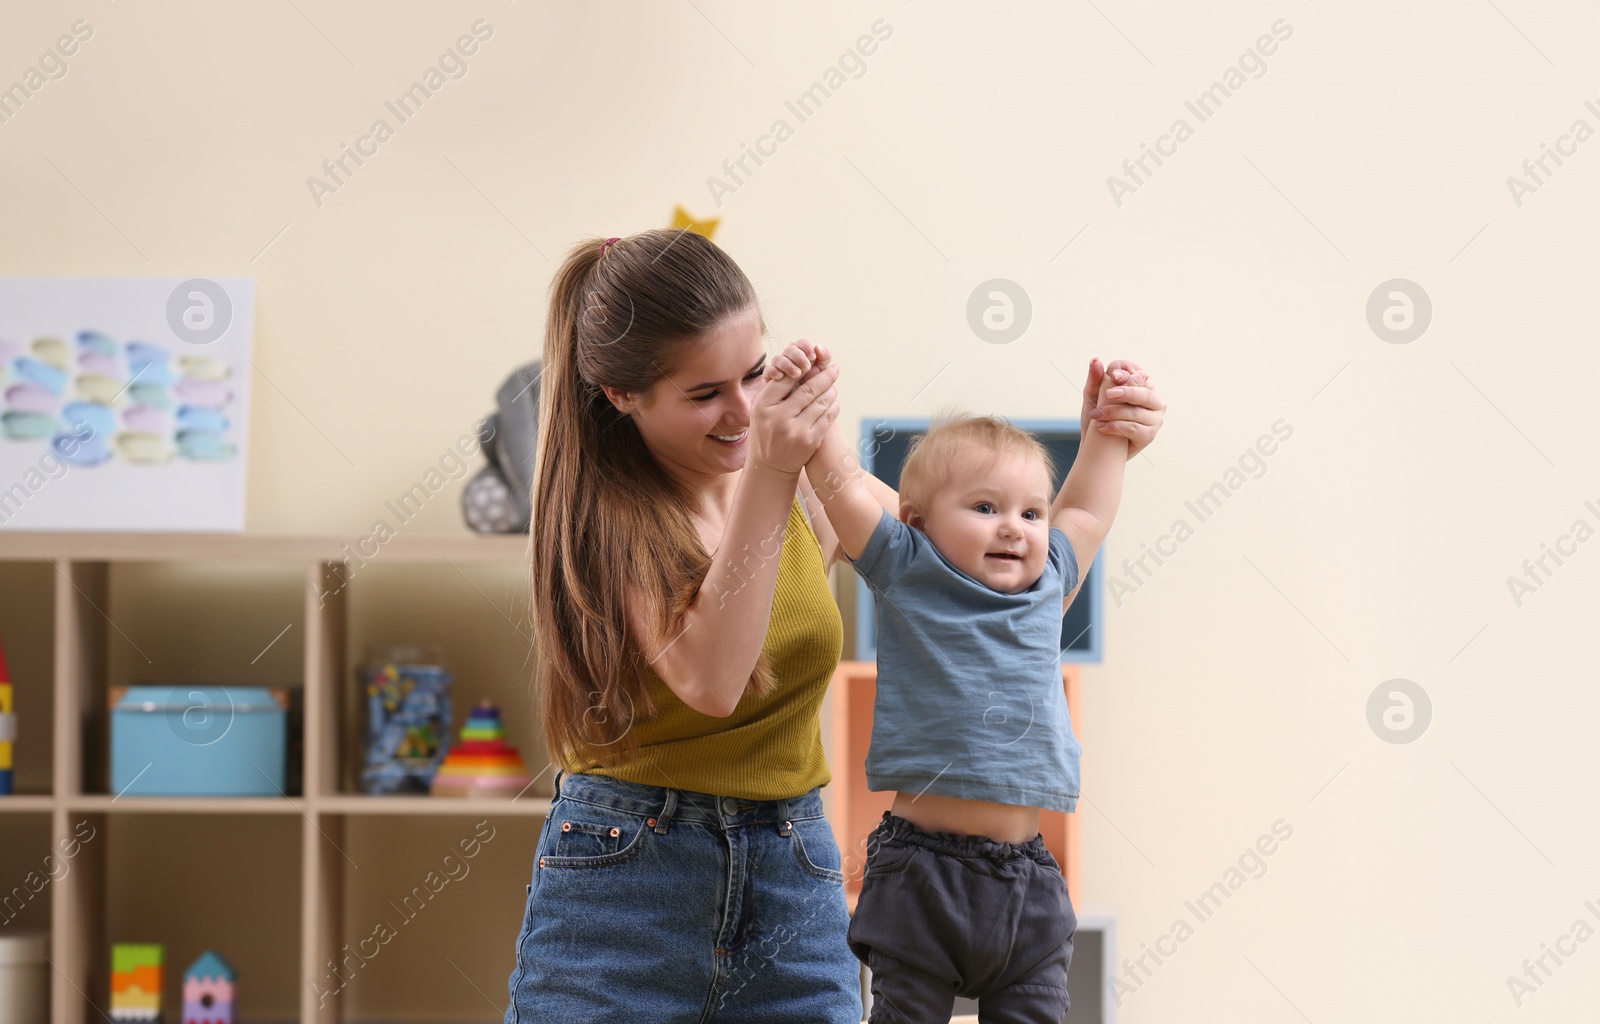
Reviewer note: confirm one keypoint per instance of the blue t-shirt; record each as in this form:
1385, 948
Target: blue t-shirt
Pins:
969, 697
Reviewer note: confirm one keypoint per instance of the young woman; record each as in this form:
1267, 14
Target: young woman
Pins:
686, 634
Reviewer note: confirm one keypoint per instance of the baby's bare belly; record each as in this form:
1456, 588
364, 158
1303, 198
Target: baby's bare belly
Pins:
1006, 823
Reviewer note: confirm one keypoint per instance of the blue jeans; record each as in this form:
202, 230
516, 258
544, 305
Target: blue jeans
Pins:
668, 906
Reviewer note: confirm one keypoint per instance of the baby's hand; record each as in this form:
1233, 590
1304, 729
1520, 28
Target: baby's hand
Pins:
1118, 374
1123, 402
798, 361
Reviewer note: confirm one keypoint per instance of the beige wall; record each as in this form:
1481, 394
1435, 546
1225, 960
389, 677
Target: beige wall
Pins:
978, 142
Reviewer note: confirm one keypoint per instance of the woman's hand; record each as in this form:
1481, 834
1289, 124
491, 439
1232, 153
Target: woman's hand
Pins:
1133, 408
795, 407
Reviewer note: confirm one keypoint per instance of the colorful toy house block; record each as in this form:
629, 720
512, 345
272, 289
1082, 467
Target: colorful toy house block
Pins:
8, 726
136, 981
208, 988
482, 764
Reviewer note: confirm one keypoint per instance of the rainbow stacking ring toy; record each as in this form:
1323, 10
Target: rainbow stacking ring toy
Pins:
482, 764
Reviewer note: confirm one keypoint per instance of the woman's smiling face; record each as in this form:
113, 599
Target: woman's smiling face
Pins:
686, 416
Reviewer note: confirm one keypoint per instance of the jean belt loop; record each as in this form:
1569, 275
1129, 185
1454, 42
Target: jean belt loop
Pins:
786, 812
670, 805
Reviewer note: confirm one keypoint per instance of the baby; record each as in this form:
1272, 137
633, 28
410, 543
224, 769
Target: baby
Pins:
970, 727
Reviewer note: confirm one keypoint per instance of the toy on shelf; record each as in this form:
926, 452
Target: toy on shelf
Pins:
208, 987
136, 981
24, 974
408, 720
497, 499
483, 764
8, 727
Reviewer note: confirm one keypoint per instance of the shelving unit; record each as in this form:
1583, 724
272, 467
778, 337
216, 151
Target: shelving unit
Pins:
79, 614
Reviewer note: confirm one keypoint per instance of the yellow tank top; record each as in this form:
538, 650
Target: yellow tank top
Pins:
770, 748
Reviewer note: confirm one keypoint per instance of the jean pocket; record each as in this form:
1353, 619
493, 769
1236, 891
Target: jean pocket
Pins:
586, 835
816, 848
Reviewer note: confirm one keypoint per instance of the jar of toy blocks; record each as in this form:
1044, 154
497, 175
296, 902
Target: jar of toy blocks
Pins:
407, 691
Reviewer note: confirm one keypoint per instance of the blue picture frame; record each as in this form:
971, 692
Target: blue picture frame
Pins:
884, 442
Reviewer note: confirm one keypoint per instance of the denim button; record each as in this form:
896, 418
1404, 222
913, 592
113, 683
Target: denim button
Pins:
730, 805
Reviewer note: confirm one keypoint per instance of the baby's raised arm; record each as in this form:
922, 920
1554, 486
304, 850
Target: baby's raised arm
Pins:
1087, 503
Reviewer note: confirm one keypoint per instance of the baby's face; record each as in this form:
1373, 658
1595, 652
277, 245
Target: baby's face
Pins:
992, 522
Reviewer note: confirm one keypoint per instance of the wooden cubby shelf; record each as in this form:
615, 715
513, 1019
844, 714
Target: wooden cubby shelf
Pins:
82, 612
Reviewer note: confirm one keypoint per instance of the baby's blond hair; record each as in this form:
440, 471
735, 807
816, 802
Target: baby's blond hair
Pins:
952, 433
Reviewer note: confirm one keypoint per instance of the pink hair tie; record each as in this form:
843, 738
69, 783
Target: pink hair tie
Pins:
607, 244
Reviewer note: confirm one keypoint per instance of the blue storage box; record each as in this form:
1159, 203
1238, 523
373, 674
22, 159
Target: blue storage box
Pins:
192, 740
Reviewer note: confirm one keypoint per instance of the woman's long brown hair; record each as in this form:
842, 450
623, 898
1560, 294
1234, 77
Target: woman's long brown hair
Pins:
607, 519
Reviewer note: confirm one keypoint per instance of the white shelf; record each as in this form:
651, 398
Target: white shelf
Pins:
80, 587
22, 802
531, 806
98, 804
16, 546
527, 806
